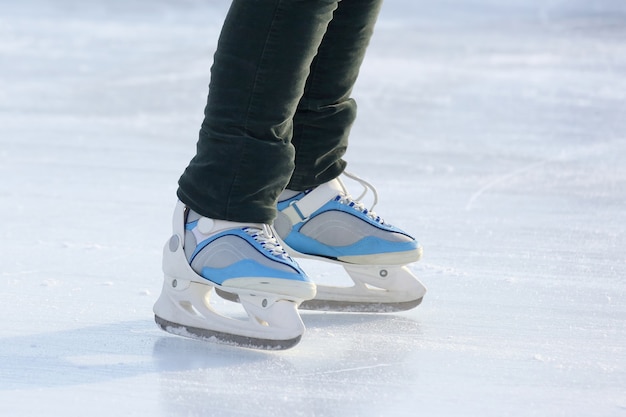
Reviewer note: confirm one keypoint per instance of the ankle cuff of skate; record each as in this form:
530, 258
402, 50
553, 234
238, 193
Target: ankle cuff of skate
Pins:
300, 210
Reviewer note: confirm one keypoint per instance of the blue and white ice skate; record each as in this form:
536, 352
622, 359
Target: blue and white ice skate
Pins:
241, 259
327, 224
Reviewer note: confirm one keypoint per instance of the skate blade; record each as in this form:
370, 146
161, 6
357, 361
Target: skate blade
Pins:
343, 306
225, 338
359, 307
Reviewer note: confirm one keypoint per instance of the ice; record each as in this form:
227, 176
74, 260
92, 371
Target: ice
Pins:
494, 131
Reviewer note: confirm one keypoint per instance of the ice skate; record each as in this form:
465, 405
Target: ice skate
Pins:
241, 259
327, 224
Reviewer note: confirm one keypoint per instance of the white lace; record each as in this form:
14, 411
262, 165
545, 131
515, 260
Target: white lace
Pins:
266, 239
348, 200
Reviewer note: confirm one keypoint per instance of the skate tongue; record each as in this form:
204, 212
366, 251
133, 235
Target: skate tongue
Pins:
335, 185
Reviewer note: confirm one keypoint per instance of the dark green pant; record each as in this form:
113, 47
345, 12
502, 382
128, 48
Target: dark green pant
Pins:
279, 109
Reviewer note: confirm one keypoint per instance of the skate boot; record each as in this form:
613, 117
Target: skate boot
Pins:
241, 259
326, 223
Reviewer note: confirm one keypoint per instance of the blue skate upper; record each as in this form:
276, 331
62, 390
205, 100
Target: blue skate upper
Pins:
369, 245
247, 268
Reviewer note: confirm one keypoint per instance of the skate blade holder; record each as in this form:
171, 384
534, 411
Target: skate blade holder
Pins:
376, 289
185, 309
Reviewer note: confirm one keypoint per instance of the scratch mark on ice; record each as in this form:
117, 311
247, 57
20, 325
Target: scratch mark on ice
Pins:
502, 179
356, 368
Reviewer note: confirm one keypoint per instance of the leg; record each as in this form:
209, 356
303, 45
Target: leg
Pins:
323, 221
244, 156
244, 160
326, 112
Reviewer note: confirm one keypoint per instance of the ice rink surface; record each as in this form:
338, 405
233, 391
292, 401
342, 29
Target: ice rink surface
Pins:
494, 130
